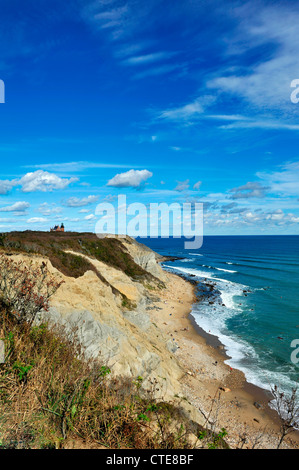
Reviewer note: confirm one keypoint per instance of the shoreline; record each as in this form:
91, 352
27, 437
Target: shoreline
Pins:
258, 394
244, 406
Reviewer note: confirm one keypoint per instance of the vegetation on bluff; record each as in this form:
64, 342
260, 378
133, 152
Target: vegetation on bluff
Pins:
51, 396
55, 245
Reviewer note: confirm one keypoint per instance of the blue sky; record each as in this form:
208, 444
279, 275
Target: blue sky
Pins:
163, 101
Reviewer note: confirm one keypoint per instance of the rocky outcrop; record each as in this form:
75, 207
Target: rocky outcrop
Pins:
145, 257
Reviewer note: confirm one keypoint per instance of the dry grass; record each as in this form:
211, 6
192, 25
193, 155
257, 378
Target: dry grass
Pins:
50, 395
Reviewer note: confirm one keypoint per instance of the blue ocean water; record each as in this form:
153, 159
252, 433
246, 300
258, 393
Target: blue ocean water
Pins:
249, 290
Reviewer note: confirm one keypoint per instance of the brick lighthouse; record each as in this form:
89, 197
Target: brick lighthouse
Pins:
57, 228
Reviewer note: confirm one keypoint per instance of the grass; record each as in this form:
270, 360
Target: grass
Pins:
53, 245
50, 395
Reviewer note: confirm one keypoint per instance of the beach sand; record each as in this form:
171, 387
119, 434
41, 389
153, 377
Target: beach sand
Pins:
241, 408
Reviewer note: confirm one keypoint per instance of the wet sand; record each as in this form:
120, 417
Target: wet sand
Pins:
241, 408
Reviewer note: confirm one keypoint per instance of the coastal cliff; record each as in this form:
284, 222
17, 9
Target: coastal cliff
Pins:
106, 300
126, 312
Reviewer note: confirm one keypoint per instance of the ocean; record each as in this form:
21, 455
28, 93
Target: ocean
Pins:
249, 298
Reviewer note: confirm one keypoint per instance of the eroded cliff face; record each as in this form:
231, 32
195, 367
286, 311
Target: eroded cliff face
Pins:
110, 315
145, 257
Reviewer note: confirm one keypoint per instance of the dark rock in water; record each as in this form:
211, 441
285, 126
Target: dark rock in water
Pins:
211, 286
171, 258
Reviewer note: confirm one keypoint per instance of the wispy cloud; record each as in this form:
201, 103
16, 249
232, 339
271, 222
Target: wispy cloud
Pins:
111, 18
183, 113
127, 26
36, 220
76, 202
182, 186
47, 209
197, 185
249, 190
261, 124
155, 71
149, 58
271, 33
77, 166
284, 181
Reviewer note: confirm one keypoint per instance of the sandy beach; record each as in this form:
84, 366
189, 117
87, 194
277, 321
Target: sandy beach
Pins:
241, 408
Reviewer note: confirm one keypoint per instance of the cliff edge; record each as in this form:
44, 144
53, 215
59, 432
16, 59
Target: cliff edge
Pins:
110, 284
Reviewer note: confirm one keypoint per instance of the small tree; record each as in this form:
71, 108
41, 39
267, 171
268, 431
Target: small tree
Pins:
26, 288
287, 408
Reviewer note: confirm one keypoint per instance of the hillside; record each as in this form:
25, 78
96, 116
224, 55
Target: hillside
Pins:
108, 286
114, 252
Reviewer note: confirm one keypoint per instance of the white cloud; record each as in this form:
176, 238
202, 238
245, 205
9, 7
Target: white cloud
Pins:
257, 219
131, 178
6, 186
43, 181
36, 181
19, 206
89, 217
